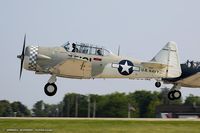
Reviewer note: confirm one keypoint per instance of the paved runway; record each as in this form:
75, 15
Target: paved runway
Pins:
117, 119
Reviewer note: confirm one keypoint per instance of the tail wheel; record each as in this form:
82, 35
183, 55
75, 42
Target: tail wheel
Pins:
157, 84
50, 89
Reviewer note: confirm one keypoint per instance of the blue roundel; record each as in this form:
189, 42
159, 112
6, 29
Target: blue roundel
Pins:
125, 67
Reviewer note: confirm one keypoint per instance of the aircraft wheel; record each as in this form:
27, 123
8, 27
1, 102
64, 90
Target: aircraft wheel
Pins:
50, 89
173, 95
170, 95
176, 94
157, 84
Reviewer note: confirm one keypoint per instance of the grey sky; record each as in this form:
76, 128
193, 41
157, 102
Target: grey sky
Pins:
141, 27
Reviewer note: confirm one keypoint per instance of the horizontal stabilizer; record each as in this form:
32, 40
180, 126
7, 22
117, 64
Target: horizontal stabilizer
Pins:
154, 65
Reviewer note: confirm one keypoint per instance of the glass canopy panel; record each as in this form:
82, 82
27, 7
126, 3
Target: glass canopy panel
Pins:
86, 49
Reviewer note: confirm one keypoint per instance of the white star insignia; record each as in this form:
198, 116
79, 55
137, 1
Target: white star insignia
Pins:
125, 67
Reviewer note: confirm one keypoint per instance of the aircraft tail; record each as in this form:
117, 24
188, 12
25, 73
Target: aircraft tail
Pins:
168, 56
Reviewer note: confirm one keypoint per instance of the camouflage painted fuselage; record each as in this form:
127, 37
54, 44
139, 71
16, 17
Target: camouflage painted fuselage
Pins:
57, 61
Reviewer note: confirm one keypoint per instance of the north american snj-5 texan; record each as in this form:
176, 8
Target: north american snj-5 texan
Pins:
86, 61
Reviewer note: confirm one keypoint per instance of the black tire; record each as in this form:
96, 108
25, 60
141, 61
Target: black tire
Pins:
176, 94
157, 84
47, 90
170, 95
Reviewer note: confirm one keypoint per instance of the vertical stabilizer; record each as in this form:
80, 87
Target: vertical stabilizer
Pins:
169, 55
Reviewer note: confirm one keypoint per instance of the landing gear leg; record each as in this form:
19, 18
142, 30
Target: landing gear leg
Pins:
50, 88
174, 93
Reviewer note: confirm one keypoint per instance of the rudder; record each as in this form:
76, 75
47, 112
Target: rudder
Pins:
169, 55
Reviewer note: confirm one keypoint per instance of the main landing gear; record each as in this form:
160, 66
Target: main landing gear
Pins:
174, 93
50, 88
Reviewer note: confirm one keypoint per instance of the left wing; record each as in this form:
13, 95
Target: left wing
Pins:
191, 81
73, 68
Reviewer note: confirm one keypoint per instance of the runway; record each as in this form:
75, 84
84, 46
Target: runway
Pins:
106, 119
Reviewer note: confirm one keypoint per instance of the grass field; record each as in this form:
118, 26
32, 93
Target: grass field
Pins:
98, 126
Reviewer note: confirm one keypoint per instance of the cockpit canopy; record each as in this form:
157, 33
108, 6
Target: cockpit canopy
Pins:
86, 49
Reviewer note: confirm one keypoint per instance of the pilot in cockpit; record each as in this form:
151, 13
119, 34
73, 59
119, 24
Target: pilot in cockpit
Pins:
75, 49
99, 52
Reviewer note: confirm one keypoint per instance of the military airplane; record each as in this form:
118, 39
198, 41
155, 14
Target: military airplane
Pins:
86, 61
190, 77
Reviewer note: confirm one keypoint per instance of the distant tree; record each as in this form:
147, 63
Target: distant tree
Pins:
69, 104
83, 105
146, 102
113, 105
191, 99
135, 112
38, 109
20, 110
41, 109
164, 95
60, 109
100, 107
155, 101
5, 109
51, 110
94, 99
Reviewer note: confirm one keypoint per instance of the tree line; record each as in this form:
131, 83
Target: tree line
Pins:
139, 104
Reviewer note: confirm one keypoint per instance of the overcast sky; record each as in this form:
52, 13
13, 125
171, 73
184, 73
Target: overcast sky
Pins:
140, 27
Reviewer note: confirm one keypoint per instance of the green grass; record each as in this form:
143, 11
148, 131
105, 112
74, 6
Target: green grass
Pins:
98, 126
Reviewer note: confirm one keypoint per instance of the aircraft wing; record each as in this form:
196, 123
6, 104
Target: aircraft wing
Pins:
192, 81
154, 65
74, 68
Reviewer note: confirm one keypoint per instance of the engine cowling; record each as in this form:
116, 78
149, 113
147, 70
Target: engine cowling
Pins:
30, 59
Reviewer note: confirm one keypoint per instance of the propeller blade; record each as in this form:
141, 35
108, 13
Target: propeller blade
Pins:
24, 45
22, 57
21, 67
